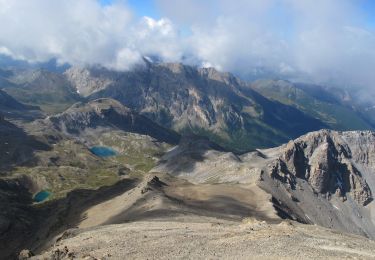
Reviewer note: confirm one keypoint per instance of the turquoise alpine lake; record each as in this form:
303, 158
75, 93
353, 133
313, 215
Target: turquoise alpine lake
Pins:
41, 196
103, 151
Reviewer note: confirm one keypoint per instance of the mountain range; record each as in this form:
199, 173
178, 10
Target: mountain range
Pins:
238, 115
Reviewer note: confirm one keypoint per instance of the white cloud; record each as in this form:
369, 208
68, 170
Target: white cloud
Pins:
323, 40
158, 37
82, 32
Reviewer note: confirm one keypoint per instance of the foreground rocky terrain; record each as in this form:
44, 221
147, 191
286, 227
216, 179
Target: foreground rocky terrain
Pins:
207, 202
202, 238
166, 217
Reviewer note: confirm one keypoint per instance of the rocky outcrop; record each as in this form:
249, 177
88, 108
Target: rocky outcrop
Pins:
325, 177
108, 113
25, 254
324, 161
86, 81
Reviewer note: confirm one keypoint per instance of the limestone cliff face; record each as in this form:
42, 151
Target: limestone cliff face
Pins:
85, 81
326, 162
203, 101
363, 146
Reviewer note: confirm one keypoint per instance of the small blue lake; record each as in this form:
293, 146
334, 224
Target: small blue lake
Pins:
103, 151
41, 196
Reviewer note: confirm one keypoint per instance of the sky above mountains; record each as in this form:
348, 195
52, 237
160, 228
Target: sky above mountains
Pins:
317, 40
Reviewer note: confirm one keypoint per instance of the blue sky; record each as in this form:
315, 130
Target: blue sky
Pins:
368, 8
140, 7
149, 8
144, 8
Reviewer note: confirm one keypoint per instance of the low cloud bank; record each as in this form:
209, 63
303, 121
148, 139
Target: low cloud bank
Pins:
315, 40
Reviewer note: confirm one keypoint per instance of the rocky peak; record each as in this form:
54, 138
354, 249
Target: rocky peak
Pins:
177, 68
100, 112
214, 74
86, 81
323, 159
108, 113
362, 146
197, 100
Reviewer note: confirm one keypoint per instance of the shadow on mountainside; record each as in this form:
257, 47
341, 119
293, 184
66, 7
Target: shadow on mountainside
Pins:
17, 147
32, 226
190, 150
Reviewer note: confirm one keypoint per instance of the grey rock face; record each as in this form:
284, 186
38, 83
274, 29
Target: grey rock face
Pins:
326, 178
108, 113
201, 101
85, 81
324, 160
25, 254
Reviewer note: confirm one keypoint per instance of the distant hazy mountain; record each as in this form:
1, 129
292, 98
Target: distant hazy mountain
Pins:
50, 65
12, 109
315, 101
9, 103
49, 90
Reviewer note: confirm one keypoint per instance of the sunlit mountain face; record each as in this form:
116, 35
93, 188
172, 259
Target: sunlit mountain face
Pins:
149, 129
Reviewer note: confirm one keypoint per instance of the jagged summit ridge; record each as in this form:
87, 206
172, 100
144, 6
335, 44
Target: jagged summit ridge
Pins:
106, 113
325, 160
195, 100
